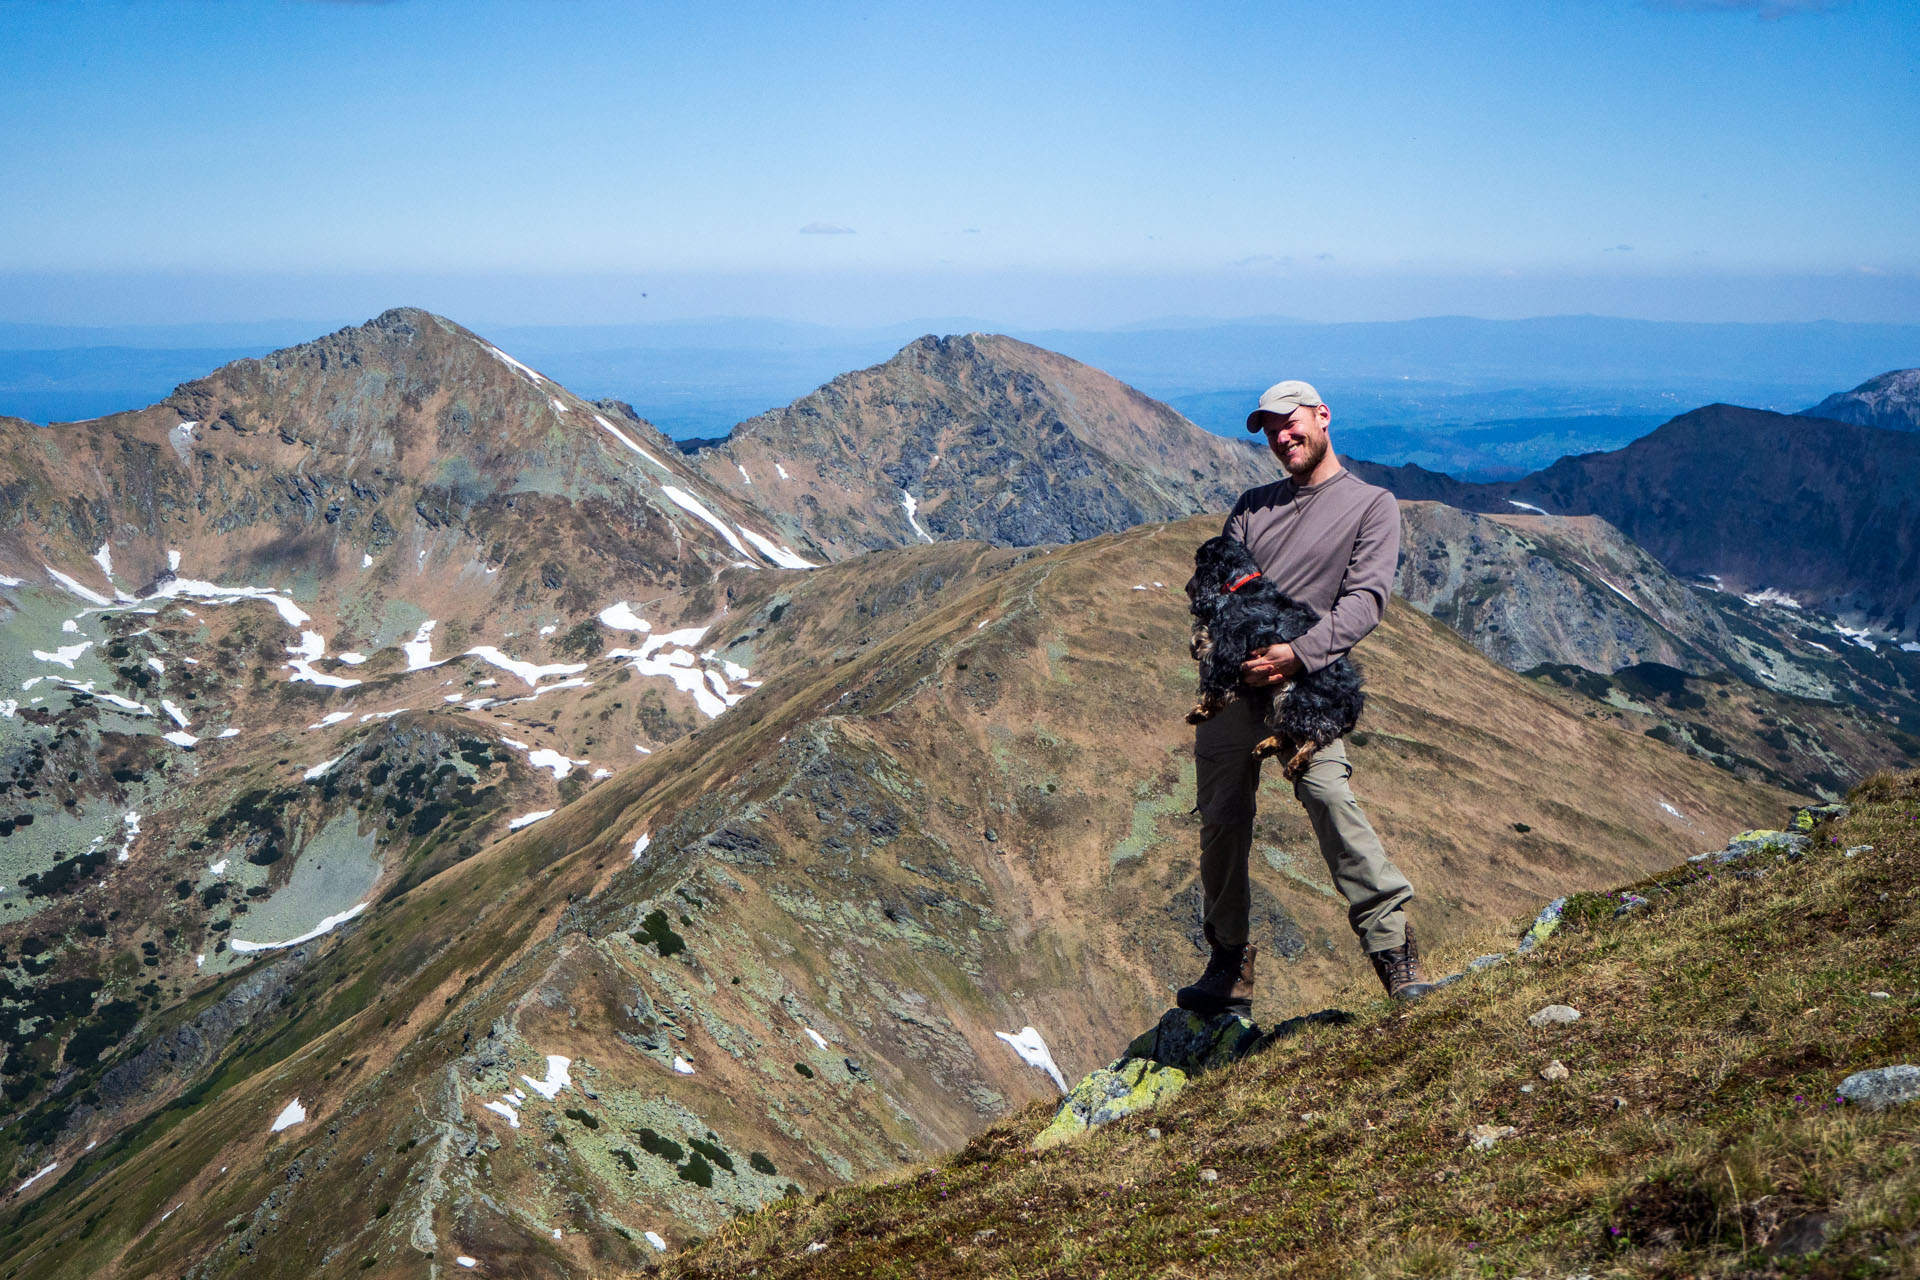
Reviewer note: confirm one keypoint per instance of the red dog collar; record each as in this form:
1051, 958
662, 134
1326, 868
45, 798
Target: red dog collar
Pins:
1238, 583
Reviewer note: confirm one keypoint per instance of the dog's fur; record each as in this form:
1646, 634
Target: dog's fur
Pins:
1306, 712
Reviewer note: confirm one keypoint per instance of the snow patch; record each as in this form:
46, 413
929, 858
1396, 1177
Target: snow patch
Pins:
419, 650
621, 436
179, 716
640, 845
557, 1077
85, 593
620, 615
36, 1177
743, 473
332, 718
218, 869
131, 820
548, 630
228, 733
816, 1037
181, 738
681, 1065
213, 593
290, 1115
513, 1119
351, 658
653, 1238
557, 406
104, 558
1670, 809
530, 673
159, 667
1770, 595
782, 470
1527, 506
694, 507
320, 770
1033, 1050
325, 926
783, 556
366, 561
463, 1259
528, 819
64, 656
510, 362
908, 505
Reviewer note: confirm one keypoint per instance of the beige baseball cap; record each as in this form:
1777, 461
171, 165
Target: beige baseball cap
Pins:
1283, 398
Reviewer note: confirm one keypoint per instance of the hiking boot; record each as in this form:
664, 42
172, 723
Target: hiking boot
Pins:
1399, 970
1227, 984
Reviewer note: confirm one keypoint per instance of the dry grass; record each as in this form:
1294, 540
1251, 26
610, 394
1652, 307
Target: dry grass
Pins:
1697, 1135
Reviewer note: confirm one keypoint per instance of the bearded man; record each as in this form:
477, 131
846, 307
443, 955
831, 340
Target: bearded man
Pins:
1330, 541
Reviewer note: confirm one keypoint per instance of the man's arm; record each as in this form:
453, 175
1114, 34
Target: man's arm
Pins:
1363, 591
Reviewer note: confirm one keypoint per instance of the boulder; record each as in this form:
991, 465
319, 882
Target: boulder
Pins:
1882, 1087
1159, 1063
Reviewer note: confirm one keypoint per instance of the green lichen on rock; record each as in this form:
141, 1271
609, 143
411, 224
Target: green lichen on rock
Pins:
1111, 1092
1154, 1067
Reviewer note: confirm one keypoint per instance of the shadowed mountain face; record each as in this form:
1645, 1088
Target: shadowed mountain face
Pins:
977, 437
1825, 513
1890, 401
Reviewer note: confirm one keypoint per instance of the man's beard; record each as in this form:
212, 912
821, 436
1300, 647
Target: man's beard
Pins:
1315, 450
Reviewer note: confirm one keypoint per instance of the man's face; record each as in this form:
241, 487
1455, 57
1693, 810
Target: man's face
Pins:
1299, 439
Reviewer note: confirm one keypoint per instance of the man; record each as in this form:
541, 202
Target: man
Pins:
1331, 541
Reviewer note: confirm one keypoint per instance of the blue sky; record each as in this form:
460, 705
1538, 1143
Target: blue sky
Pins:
518, 162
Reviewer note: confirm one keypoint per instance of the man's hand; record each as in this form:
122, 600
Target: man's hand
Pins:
1270, 665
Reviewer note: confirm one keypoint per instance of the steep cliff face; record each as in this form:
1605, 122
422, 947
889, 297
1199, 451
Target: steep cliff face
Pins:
1890, 401
977, 436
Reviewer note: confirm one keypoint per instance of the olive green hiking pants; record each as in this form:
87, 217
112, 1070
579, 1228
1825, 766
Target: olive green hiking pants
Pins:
1228, 775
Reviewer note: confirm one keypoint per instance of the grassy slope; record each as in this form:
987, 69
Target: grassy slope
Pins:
1697, 1129
1056, 722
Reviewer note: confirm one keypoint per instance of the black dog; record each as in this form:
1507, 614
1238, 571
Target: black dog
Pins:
1236, 612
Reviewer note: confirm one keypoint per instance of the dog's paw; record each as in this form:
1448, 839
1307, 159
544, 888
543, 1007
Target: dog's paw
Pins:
1268, 747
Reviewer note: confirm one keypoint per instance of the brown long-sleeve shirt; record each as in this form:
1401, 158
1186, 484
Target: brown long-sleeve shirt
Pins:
1332, 546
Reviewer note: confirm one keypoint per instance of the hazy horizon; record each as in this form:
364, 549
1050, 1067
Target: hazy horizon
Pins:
1081, 165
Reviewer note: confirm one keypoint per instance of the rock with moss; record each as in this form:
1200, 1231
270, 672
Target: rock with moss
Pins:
1807, 817
1130, 1086
1154, 1067
1543, 925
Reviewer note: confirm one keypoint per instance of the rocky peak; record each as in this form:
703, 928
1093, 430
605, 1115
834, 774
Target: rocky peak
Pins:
1890, 401
976, 436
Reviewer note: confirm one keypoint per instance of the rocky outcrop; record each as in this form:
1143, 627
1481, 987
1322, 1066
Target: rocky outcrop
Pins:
1890, 402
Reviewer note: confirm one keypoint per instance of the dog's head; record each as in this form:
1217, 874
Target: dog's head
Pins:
1218, 565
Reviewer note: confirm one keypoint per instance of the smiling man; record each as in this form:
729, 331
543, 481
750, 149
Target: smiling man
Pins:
1331, 541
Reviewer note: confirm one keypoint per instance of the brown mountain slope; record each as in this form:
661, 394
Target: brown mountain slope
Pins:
977, 436
972, 825
1753, 687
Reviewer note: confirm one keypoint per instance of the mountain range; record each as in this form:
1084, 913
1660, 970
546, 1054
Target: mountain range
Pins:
442, 820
